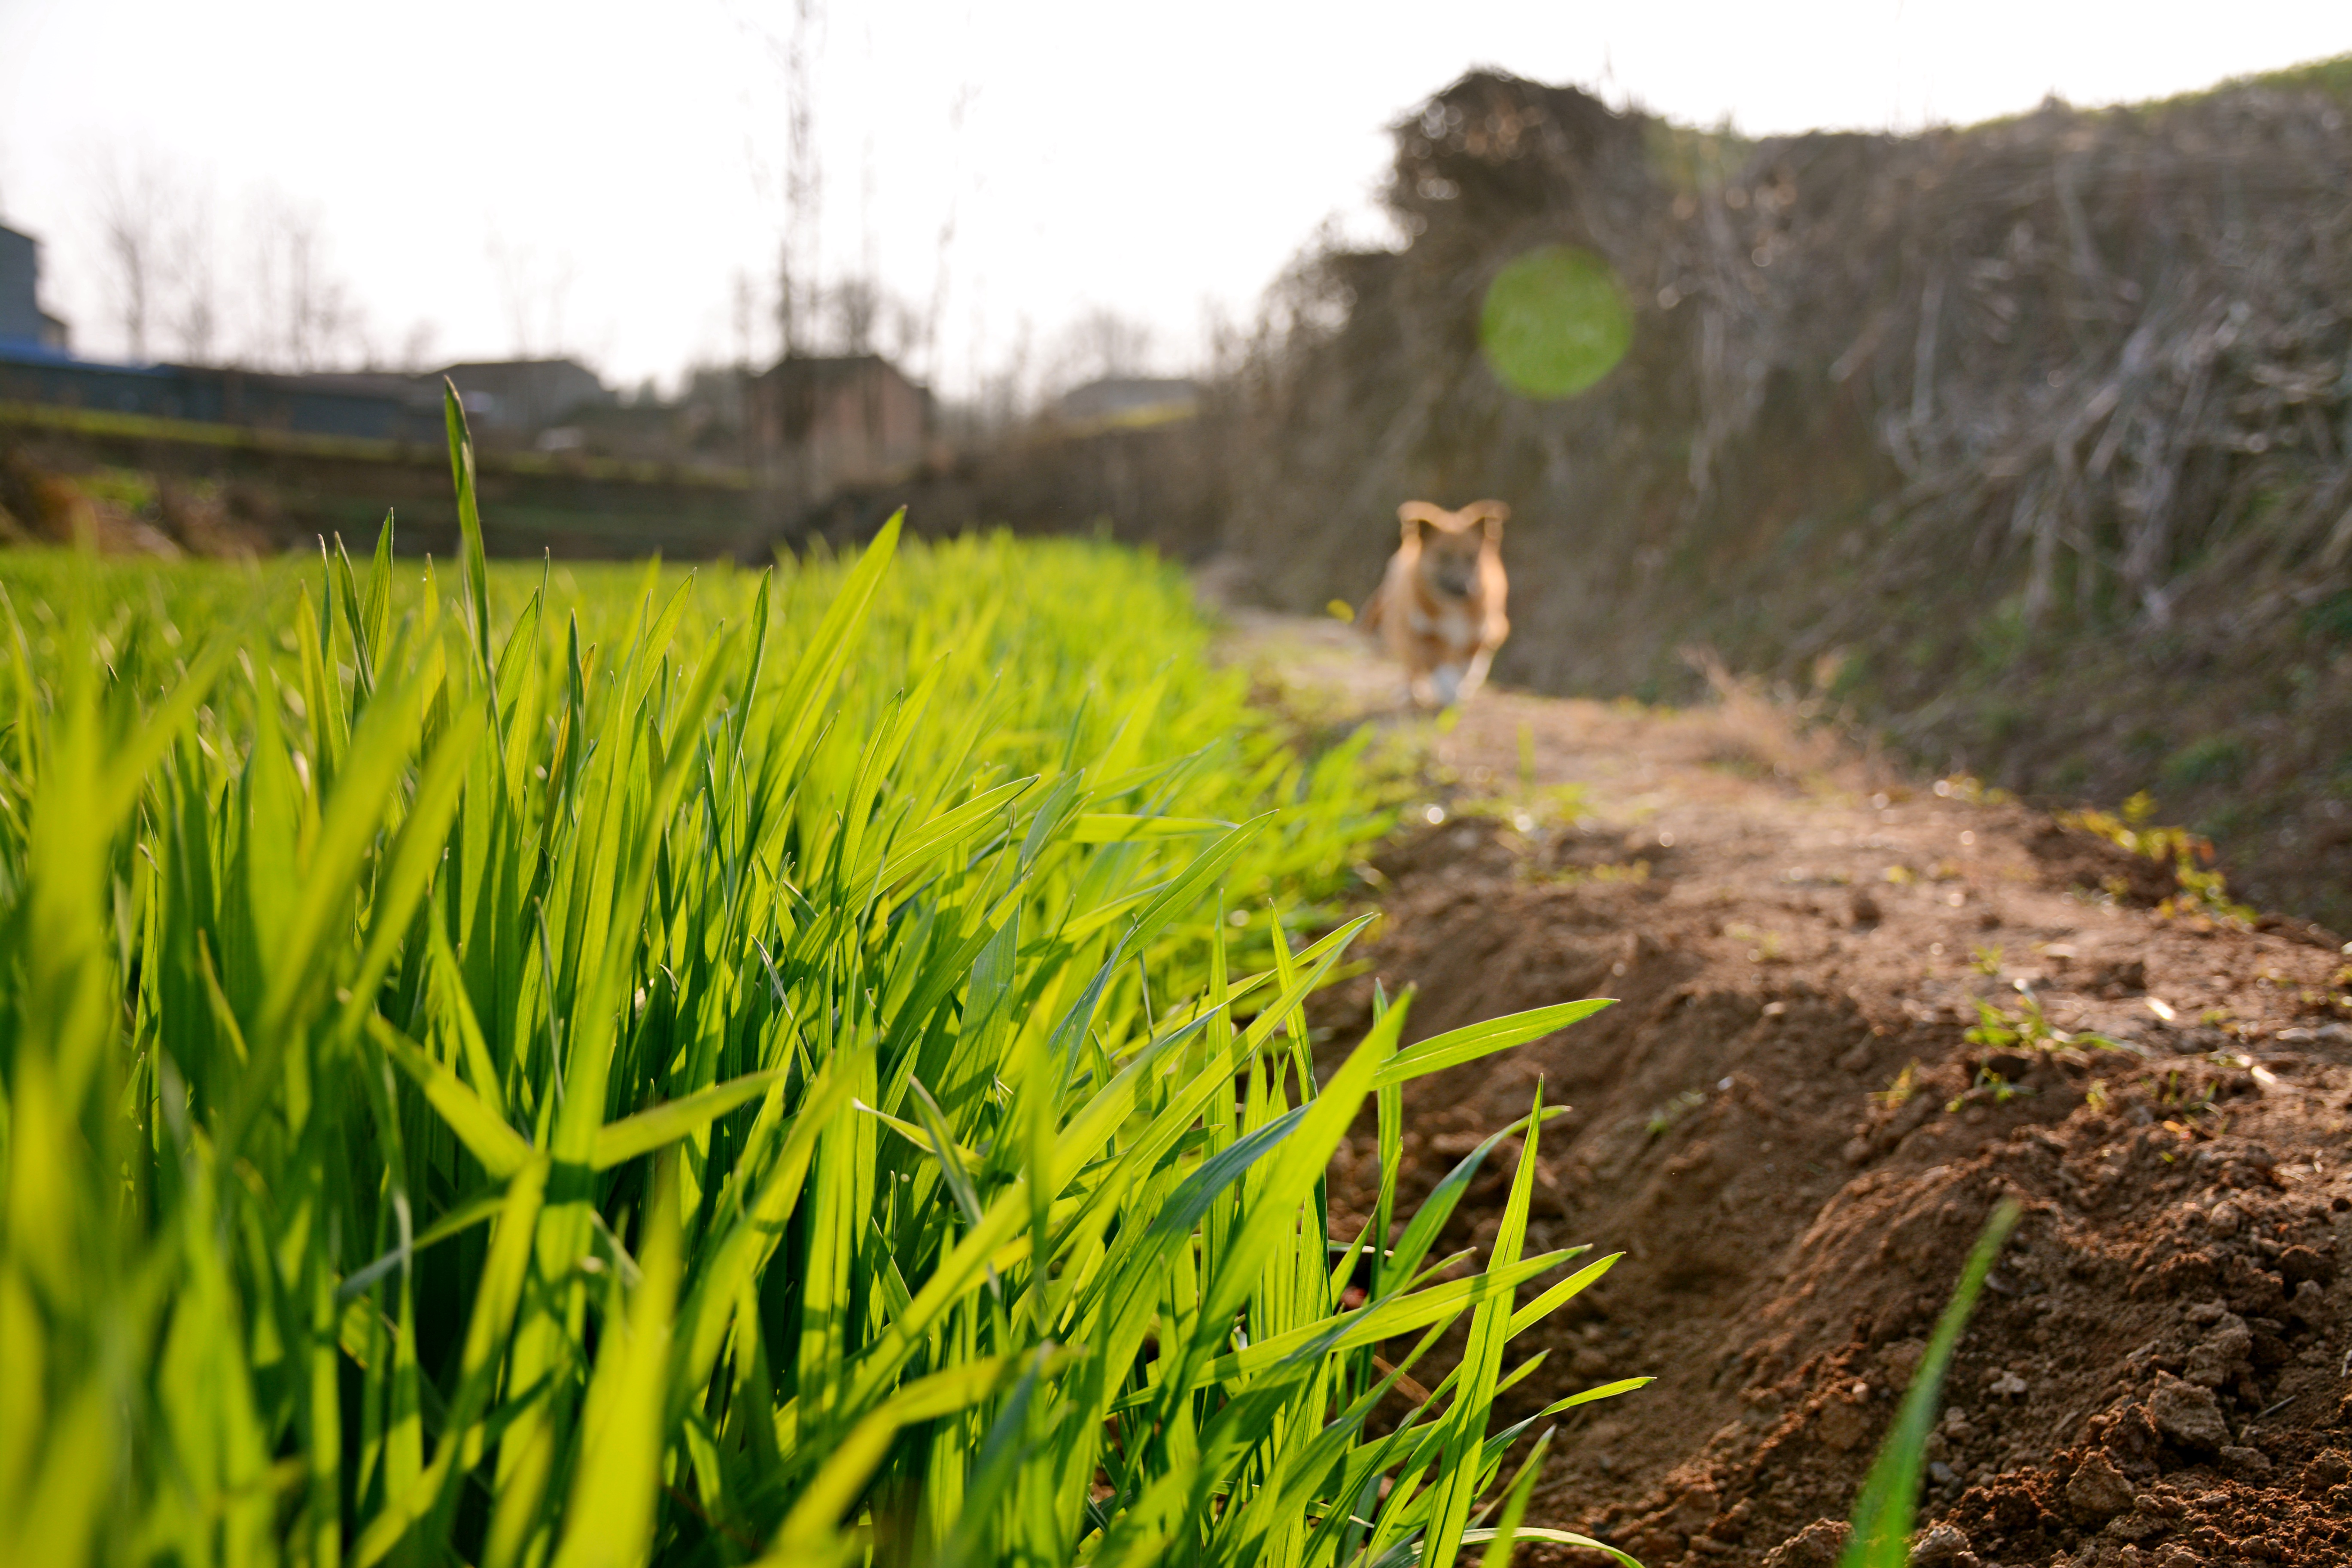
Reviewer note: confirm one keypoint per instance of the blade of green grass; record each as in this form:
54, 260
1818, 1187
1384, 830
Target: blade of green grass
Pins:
1883, 1512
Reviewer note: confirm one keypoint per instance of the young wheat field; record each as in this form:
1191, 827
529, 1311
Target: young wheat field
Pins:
522, 1066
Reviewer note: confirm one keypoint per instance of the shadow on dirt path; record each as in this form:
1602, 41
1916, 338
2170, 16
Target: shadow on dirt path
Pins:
1786, 1127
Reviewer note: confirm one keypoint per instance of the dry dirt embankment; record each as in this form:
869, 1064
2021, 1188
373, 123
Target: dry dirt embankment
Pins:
1785, 1128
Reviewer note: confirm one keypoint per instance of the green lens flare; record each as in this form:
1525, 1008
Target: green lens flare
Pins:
1555, 321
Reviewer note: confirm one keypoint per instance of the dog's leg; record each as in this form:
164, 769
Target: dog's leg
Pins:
1476, 676
1447, 680
1424, 693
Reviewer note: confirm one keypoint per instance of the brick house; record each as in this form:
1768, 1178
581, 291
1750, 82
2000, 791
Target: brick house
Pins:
819, 423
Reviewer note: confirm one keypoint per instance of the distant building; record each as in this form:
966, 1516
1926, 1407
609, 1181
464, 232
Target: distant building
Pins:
823, 423
521, 395
374, 407
1119, 399
704, 424
23, 324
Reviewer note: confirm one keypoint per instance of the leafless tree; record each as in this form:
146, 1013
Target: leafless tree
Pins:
535, 298
133, 197
1102, 342
1004, 395
161, 251
944, 248
155, 240
797, 291
301, 316
910, 332
743, 323
416, 350
1225, 342
856, 306
194, 309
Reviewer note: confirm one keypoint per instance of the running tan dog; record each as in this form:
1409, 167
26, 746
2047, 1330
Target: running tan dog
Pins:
1439, 609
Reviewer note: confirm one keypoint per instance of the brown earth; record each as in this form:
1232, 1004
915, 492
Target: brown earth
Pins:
1785, 1129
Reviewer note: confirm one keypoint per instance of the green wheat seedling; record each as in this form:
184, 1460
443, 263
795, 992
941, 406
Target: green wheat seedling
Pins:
1889, 1497
2028, 1028
551, 1069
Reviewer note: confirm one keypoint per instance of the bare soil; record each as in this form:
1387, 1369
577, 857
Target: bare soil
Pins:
1784, 1128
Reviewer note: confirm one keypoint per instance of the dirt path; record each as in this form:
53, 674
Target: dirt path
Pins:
1784, 1128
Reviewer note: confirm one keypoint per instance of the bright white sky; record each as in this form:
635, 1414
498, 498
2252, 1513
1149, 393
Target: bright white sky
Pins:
594, 178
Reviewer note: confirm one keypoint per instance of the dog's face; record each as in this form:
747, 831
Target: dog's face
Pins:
1450, 561
1450, 545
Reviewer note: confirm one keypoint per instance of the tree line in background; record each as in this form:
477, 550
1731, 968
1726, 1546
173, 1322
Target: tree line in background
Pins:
188, 277
256, 286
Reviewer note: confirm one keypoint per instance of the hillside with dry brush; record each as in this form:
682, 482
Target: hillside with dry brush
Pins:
2025, 443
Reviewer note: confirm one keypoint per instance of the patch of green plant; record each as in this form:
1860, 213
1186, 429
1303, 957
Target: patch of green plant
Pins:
1527, 810
1890, 1495
126, 487
2000, 637
2210, 759
2331, 617
1848, 674
2185, 1095
1529, 805
2202, 889
2004, 721
2228, 819
702, 1069
2026, 1027
1664, 1118
1970, 790
1692, 160
2332, 75
1988, 1086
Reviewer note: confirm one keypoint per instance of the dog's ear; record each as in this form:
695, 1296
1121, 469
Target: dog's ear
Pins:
1415, 515
1491, 514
